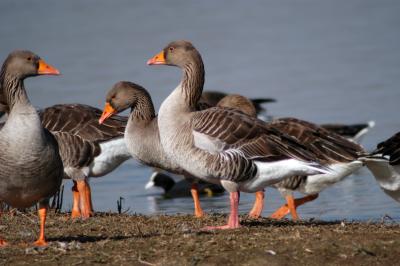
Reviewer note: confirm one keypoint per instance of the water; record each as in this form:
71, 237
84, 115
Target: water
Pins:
325, 61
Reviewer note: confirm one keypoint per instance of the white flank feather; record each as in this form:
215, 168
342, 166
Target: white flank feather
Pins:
113, 153
316, 183
387, 176
270, 173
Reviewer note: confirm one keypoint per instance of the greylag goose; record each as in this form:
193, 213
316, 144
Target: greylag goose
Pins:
182, 188
220, 145
31, 169
141, 133
212, 98
384, 163
341, 154
238, 102
341, 151
87, 148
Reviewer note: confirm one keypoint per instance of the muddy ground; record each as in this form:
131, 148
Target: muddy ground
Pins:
178, 240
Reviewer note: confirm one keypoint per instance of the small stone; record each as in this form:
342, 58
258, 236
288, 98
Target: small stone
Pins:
31, 251
271, 252
34, 250
308, 250
62, 245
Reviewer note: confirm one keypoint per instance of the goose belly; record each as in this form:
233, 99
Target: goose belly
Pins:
113, 153
387, 176
28, 178
316, 183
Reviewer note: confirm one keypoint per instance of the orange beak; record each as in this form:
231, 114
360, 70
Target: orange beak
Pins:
107, 112
158, 59
45, 69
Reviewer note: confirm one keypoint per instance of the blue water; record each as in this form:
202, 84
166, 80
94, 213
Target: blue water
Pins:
325, 61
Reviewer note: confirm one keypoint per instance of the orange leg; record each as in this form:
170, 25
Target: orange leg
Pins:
258, 205
42, 212
198, 211
291, 206
281, 212
76, 212
89, 198
3, 243
85, 199
233, 221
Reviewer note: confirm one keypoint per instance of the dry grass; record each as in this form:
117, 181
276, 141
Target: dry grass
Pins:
178, 240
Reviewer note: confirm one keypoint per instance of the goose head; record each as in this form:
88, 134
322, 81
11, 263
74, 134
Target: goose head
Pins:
238, 102
177, 53
22, 64
121, 96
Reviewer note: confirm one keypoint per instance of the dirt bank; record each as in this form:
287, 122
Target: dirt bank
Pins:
177, 240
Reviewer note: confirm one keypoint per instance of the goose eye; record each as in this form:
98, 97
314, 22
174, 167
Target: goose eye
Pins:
29, 58
171, 49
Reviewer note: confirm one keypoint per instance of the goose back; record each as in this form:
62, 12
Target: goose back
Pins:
82, 139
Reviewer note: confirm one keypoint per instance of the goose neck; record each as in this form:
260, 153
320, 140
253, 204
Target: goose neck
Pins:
193, 82
143, 110
13, 91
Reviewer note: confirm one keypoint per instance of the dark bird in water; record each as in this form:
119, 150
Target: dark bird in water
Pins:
181, 188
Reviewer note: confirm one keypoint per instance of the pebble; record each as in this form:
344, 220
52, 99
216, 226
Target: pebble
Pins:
271, 252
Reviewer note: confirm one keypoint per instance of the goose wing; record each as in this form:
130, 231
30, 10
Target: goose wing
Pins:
75, 151
82, 120
328, 146
222, 129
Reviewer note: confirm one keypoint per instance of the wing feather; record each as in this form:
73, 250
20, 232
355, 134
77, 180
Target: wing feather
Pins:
82, 120
252, 137
75, 151
329, 146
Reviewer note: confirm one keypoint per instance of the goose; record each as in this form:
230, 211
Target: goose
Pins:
342, 155
141, 132
212, 98
220, 145
384, 163
238, 102
87, 148
344, 152
31, 169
